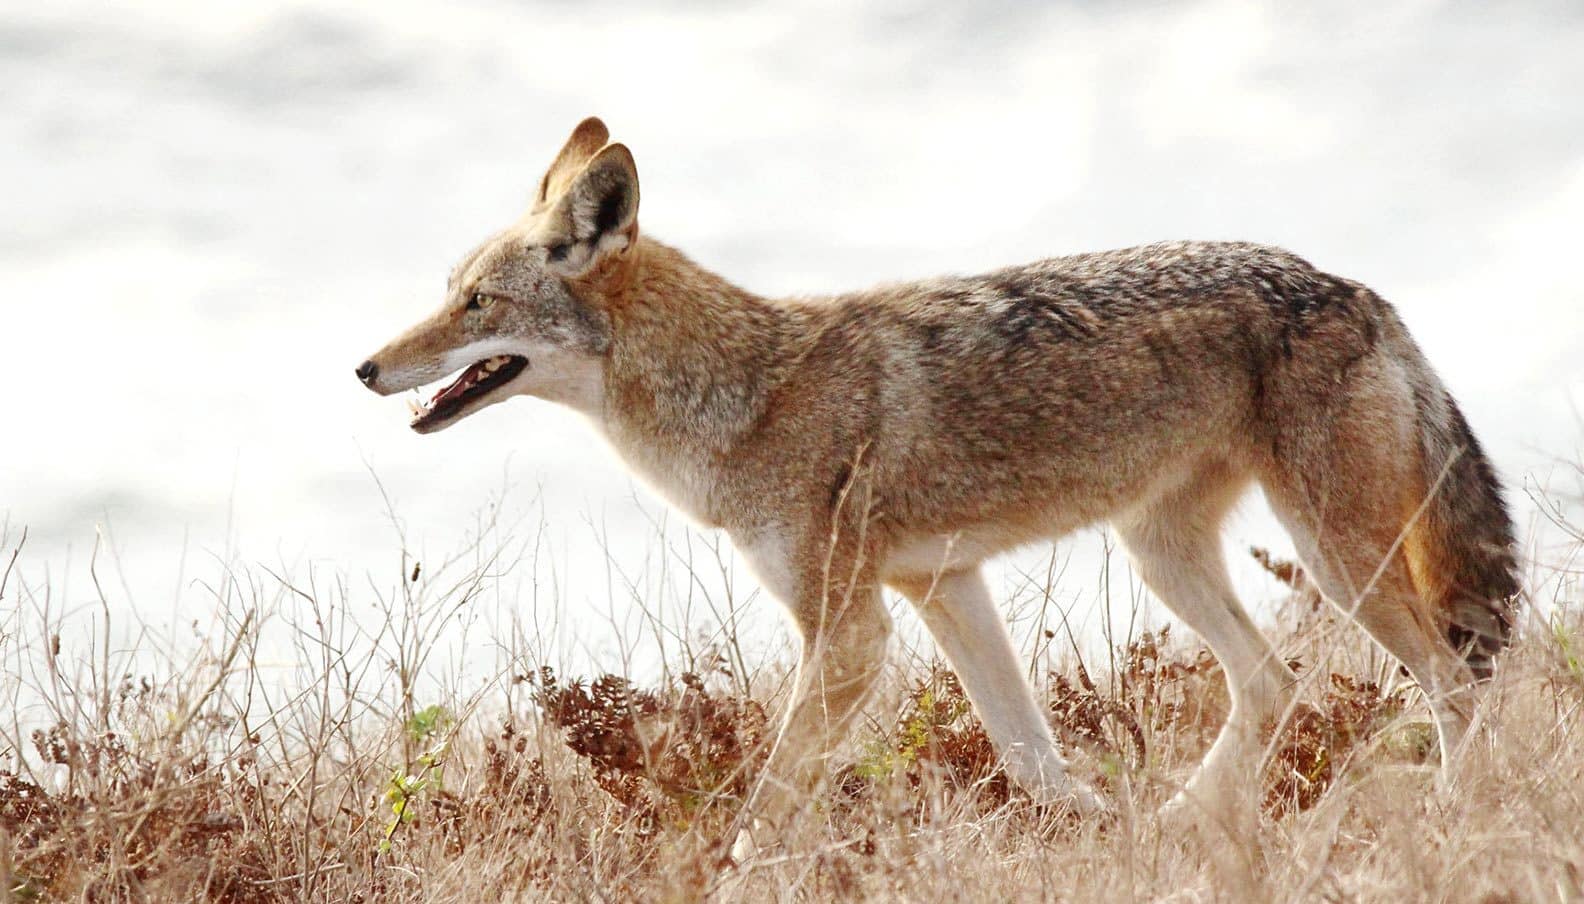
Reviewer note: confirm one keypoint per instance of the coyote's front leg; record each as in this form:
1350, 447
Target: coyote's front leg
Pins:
957, 608
844, 627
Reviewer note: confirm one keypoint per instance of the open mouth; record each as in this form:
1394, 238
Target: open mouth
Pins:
476, 382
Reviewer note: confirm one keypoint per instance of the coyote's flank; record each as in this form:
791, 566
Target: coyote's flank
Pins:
901, 435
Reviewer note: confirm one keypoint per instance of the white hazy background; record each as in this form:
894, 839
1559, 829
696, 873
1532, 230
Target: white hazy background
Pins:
211, 213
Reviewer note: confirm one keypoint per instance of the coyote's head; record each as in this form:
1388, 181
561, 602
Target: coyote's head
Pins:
517, 319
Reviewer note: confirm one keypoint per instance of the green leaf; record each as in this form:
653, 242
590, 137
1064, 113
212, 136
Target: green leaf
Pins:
427, 722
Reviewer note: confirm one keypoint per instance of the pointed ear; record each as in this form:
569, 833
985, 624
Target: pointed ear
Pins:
596, 216
585, 141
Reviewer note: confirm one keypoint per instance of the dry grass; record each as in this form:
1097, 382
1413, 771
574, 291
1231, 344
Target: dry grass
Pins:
202, 781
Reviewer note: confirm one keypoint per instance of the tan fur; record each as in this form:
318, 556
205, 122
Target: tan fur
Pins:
901, 435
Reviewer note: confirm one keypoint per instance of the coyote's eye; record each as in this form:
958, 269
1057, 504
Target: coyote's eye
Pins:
480, 301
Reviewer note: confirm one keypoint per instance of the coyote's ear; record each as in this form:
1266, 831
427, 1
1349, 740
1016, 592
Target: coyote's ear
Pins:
586, 140
596, 216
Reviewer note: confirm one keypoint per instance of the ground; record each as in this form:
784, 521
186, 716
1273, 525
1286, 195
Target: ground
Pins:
200, 784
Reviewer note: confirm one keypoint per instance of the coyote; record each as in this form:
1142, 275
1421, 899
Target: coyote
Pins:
901, 435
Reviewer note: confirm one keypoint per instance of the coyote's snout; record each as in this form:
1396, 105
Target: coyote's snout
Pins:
901, 435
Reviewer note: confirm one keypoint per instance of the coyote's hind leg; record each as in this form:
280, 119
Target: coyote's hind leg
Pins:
1349, 533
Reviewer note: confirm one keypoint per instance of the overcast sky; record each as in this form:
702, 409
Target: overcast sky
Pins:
213, 212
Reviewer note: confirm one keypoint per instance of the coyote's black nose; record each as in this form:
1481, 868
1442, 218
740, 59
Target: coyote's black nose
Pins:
367, 371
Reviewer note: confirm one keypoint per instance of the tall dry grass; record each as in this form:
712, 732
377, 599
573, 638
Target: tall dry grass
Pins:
131, 769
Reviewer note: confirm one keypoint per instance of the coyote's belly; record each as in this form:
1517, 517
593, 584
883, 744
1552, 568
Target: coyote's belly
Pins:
1013, 470
944, 531
931, 554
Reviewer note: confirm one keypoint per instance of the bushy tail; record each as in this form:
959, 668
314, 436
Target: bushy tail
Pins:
1461, 549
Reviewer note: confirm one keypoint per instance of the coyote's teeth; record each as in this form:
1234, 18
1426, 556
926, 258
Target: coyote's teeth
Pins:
494, 364
416, 407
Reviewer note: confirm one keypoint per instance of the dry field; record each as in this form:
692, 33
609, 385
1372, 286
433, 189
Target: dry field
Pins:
202, 780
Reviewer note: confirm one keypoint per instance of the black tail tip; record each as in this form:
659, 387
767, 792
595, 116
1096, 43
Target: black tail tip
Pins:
1480, 630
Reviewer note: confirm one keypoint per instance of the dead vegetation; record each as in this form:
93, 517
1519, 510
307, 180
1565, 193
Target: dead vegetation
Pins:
199, 784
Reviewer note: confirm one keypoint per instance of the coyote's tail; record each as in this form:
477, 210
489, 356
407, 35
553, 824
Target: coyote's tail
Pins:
1461, 548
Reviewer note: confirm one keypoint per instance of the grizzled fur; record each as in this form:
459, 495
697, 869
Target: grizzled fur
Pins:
902, 434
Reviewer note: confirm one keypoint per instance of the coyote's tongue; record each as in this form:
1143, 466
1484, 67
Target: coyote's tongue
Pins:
467, 380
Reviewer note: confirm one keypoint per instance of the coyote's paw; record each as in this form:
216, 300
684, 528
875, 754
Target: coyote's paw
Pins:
746, 852
1087, 802
743, 850
1075, 798
1176, 808
1210, 796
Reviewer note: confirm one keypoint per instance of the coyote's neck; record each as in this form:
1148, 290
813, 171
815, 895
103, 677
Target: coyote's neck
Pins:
691, 353
692, 364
